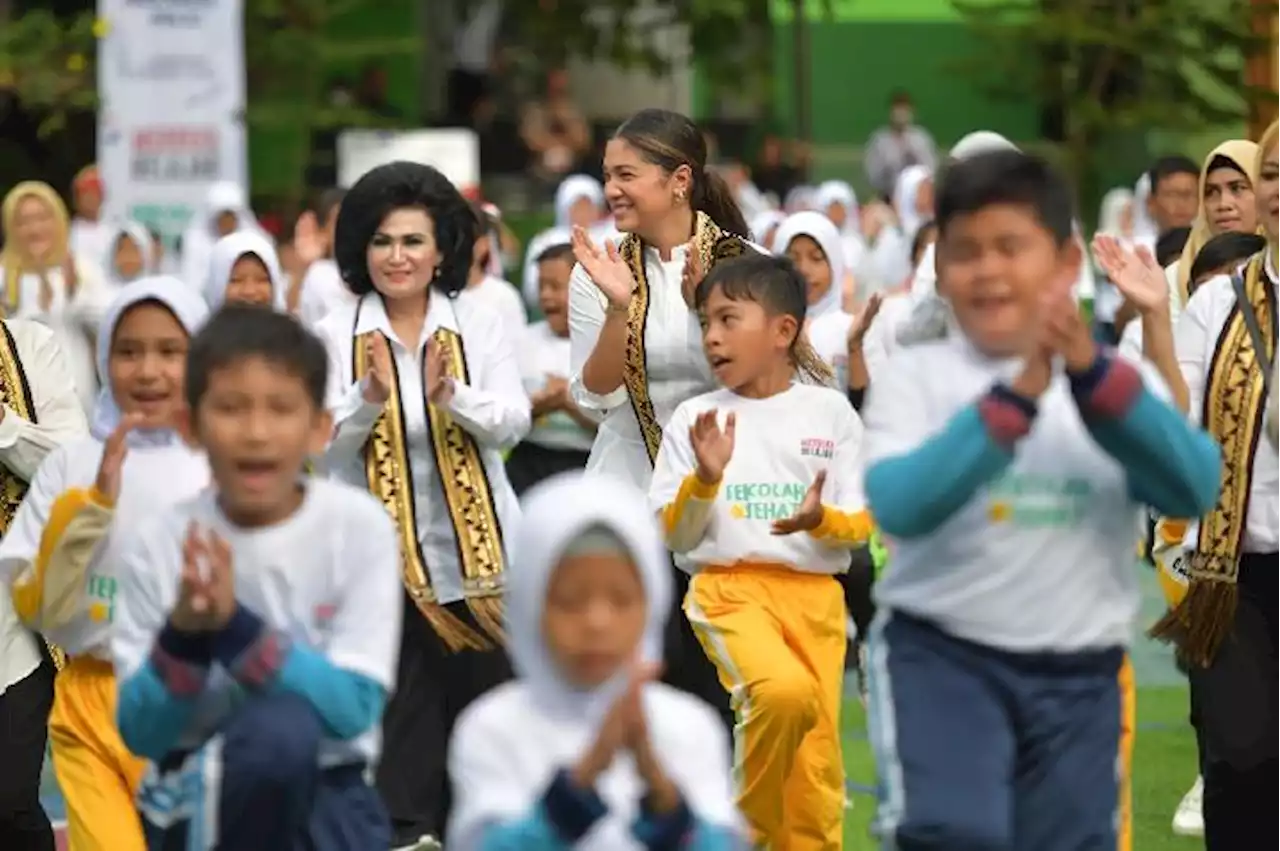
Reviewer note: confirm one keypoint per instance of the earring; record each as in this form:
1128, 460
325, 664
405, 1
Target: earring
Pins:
679, 196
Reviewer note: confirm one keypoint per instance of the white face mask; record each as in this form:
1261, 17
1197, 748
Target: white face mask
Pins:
901, 116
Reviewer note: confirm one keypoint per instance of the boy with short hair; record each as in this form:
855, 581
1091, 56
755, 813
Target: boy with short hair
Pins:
1007, 461
263, 614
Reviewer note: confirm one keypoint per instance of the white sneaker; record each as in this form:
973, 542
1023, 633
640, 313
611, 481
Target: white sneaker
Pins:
1189, 818
424, 843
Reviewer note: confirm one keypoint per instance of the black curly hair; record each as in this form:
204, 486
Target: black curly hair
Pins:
395, 186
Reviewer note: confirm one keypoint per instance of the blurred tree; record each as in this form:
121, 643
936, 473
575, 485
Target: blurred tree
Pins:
1109, 66
47, 62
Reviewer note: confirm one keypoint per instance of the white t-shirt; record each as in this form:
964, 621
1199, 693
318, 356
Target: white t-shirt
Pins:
544, 355
781, 444
328, 577
322, 291
1040, 559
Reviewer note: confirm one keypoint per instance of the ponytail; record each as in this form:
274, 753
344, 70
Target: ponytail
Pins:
810, 367
712, 195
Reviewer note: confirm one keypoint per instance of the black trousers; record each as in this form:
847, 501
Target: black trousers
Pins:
433, 686
1235, 708
24, 724
685, 663
530, 463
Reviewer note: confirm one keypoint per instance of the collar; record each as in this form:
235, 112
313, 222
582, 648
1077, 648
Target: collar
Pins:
371, 315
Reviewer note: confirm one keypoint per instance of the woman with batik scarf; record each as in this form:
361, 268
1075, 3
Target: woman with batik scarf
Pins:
426, 394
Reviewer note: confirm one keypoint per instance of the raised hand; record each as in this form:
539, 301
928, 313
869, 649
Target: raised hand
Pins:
435, 375
691, 275
808, 515
608, 271
193, 611
114, 451
377, 387
712, 446
858, 329
308, 240
1134, 272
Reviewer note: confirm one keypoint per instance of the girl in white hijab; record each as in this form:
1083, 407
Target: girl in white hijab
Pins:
580, 202
764, 227
226, 211
245, 269
584, 750
129, 254
836, 200
66, 536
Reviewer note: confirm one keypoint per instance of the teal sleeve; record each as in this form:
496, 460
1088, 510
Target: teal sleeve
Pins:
150, 717
914, 493
531, 833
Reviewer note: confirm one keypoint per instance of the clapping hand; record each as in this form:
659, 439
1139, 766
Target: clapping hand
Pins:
378, 378
809, 515
858, 329
608, 271
206, 594
435, 375
114, 451
691, 275
615, 731
1135, 273
1064, 332
712, 446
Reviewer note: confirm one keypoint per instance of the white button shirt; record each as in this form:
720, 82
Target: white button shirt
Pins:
23, 446
491, 406
676, 366
1195, 340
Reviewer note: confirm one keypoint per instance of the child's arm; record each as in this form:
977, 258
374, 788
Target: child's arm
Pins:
160, 671
347, 684
493, 407
681, 499
845, 521
916, 481
51, 592
1172, 466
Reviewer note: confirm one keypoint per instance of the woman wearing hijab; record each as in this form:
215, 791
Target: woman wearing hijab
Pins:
64, 542
46, 281
814, 245
225, 211
579, 203
584, 750
836, 200
426, 396
129, 254
635, 340
244, 269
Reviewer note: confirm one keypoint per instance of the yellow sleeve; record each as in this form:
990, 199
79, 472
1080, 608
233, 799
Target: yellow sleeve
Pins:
49, 593
685, 519
843, 528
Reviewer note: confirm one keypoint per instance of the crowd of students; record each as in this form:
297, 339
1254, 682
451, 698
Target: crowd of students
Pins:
350, 557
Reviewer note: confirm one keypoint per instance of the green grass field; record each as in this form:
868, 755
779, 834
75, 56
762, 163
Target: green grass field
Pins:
1164, 767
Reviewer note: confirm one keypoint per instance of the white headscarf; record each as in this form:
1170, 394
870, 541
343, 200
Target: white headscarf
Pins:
762, 223
798, 198
1111, 212
980, 142
201, 233
837, 192
572, 190
1145, 231
553, 514
186, 306
820, 229
905, 191
508, 744
141, 237
231, 248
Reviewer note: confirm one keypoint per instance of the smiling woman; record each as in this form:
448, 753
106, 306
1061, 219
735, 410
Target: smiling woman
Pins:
426, 395
635, 341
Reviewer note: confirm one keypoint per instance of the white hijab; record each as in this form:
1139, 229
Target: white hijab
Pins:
508, 744
191, 313
838, 192
223, 257
200, 235
820, 229
904, 199
1111, 213
762, 223
141, 237
571, 190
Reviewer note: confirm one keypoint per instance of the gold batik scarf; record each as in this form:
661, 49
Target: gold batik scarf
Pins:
15, 394
467, 494
1234, 401
711, 245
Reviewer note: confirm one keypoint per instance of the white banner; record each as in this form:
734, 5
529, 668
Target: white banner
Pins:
454, 151
171, 113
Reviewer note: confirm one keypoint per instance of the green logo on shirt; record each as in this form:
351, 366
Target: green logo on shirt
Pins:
1036, 501
101, 591
764, 500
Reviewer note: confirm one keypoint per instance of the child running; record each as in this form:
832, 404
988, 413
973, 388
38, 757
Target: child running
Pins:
768, 516
265, 611
1007, 461
65, 540
585, 750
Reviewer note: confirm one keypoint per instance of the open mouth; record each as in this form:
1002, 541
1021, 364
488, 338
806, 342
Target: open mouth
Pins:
719, 362
257, 473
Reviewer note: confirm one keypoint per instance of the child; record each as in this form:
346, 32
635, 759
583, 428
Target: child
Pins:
765, 603
584, 750
562, 434
245, 269
265, 611
63, 543
996, 706
130, 254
